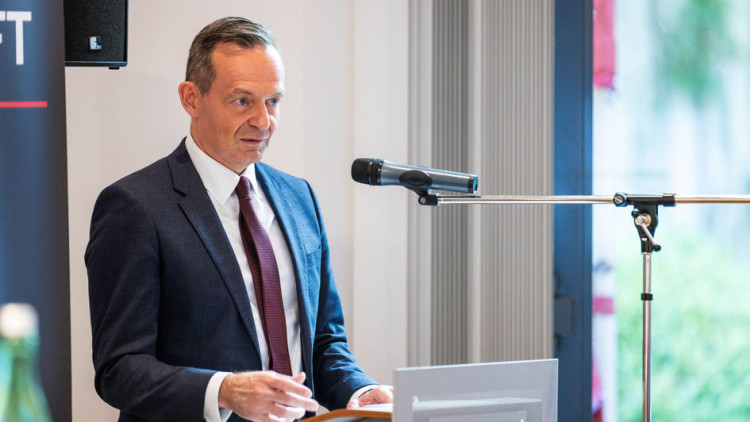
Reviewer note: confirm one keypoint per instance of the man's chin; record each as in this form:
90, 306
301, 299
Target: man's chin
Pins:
252, 158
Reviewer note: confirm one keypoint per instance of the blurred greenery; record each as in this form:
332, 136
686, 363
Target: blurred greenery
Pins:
689, 60
694, 42
700, 323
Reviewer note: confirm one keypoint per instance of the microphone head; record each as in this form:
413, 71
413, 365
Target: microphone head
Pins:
367, 170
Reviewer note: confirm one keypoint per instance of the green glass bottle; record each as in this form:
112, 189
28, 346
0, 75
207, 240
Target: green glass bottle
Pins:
23, 399
6, 368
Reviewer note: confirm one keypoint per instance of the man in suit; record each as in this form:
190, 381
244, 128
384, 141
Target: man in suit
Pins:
181, 286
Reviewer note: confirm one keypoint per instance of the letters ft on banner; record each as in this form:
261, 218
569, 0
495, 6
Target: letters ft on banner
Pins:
19, 18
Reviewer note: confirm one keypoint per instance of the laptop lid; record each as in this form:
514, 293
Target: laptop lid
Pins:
522, 391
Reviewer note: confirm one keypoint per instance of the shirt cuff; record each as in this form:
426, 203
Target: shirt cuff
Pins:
211, 410
359, 393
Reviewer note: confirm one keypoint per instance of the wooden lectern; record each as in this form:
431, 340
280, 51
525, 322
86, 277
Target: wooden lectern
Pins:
345, 415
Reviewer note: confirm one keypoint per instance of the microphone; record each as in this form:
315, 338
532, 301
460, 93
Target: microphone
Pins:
374, 171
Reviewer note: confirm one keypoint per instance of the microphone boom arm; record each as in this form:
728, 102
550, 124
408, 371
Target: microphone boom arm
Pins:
645, 218
581, 199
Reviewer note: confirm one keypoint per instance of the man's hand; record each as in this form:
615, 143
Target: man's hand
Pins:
378, 395
266, 396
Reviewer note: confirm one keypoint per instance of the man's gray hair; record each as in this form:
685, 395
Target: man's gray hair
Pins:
240, 31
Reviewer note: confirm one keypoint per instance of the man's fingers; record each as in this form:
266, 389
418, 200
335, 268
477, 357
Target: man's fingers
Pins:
289, 399
289, 384
299, 378
285, 413
289, 391
285, 391
379, 394
384, 393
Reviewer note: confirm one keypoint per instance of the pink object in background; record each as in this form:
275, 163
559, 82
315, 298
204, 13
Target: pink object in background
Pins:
604, 44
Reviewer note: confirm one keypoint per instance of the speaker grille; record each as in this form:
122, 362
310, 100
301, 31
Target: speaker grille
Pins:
96, 32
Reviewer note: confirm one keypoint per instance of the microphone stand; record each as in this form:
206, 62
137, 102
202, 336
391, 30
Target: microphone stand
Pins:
645, 217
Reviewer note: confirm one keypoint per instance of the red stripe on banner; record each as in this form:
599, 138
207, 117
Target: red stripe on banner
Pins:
23, 104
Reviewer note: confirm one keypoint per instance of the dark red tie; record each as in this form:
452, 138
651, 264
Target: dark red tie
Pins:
265, 281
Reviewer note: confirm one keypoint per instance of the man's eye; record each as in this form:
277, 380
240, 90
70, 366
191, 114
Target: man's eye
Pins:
274, 101
242, 101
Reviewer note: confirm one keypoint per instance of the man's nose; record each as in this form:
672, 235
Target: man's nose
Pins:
260, 118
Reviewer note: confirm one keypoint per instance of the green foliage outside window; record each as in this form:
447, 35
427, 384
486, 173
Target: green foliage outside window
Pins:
700, 329
694, 41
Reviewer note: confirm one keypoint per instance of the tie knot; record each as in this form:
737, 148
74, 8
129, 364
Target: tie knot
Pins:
243, 188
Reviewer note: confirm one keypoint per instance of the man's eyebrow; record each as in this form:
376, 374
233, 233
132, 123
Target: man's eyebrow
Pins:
239, 91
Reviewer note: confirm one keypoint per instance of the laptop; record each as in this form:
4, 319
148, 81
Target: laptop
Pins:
521, 391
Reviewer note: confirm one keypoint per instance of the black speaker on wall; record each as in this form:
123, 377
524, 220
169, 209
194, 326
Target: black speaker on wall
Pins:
96, 33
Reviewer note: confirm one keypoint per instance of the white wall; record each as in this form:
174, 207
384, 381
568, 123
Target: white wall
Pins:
346, 69
380, 213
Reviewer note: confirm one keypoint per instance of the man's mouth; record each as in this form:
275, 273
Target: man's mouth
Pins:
253, 140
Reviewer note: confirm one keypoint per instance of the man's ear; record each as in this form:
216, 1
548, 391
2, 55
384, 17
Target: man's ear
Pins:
190, 96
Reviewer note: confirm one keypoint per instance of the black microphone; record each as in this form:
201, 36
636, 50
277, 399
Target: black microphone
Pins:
374, 171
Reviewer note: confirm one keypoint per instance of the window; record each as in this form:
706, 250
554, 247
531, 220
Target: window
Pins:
670, 107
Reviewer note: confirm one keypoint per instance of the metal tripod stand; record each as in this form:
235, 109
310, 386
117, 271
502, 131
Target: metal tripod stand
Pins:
645, 217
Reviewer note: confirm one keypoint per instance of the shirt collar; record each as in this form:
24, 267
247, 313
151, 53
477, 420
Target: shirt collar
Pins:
219, 180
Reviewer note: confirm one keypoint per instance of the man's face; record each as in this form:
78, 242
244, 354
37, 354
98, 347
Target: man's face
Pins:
233, 122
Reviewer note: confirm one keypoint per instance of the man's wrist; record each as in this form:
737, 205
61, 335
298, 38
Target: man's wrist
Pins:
222, 398
362, 391
212, 411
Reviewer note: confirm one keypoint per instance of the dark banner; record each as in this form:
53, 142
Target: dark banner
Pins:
33, 183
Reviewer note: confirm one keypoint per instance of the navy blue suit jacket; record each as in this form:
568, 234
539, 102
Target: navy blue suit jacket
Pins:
168, 303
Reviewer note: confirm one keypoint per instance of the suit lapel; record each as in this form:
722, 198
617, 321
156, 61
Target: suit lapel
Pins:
283, 208
201, 213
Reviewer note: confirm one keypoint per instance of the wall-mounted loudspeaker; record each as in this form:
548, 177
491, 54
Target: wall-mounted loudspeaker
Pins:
96, 33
